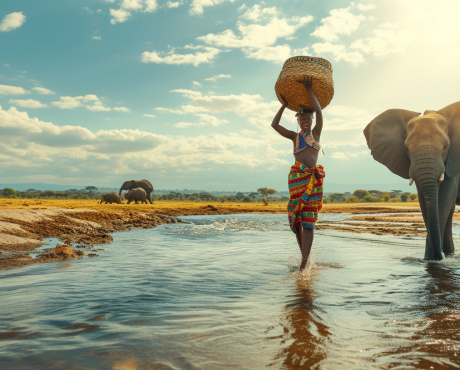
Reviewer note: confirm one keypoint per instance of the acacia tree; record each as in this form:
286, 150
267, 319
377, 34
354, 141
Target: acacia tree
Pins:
91, 189
266, 192
360, 193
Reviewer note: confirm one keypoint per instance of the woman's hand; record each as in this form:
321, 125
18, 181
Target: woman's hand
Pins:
308, 82
283, 101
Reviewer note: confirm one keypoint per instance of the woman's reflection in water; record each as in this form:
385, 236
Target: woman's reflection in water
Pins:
305, 333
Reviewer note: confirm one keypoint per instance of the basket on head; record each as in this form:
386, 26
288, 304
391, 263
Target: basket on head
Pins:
290, 82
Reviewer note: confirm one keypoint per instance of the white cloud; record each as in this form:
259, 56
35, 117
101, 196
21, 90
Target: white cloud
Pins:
97, 108
12, 21
119, 15
12, 90
149, 115
195, 83
348, 155
251, 107
339, 52
365, 8
171, 4
134, 5
122, 109
67, 102
196, 7
257, 36
205, 120
38, 146
256, 13
387, 39
43, 91
277, 54
340, 22
215, 78
206, 56
28, 103
127, 6
341, 117
72, 102
150, 6
97, 38
339, 155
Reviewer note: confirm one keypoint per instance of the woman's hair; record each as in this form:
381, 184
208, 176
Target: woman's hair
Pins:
305, 110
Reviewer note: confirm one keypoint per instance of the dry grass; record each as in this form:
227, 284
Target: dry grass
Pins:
177, 208
172, 208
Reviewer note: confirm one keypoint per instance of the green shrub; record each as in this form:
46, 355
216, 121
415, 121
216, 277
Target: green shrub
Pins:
361, 193
352, 199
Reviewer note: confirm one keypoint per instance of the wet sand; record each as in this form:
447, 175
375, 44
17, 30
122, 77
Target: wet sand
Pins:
24, 223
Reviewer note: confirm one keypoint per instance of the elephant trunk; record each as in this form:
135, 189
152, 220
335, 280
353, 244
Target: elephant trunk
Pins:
121, 189
427, 168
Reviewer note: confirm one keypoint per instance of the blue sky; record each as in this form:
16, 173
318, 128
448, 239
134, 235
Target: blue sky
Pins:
94, 92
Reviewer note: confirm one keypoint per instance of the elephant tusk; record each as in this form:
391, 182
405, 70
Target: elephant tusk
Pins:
441, 178
411, 181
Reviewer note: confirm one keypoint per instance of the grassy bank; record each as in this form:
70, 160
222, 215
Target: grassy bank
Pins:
181, 208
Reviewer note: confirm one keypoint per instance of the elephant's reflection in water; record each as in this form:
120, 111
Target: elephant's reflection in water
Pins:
304, 332
434, 331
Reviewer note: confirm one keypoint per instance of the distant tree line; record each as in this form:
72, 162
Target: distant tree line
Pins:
255, 197
90, 192
371, 196
261, 195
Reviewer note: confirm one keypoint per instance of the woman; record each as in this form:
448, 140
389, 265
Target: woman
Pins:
305, 177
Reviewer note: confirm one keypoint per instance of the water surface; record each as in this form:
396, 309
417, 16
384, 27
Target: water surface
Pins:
224, 292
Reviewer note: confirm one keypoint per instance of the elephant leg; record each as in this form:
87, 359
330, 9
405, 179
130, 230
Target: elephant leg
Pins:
149, 199
448, 242
447, 197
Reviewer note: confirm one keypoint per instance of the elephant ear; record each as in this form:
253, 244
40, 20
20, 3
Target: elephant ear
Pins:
452, 114
385, 137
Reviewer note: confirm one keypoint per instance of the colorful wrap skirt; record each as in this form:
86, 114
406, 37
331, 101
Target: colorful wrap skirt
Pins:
306, 195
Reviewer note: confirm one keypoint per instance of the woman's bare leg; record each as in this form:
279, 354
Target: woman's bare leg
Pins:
298, 236
307, 241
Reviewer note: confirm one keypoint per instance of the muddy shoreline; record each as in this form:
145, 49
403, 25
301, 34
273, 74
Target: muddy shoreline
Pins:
22, 231
24, 224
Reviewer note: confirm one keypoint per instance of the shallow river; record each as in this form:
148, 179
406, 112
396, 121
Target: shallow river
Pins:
224, 293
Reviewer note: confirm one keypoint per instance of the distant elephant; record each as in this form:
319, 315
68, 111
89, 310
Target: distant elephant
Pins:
111, 198
425, 149
136, 195
144, 184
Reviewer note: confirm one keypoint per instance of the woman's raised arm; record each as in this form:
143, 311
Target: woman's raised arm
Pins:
288, 134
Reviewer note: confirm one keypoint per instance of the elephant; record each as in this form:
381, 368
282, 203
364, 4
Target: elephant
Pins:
144, 184
136, 195
111, 198
425, 149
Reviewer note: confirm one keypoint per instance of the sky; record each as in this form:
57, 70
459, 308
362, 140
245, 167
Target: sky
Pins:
96, 92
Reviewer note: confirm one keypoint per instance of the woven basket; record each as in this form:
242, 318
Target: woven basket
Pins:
290, 82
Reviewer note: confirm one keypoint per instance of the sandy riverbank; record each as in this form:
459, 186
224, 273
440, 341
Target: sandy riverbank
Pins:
24, 223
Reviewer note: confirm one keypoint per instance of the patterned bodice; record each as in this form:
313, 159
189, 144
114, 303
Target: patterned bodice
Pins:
304, 140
